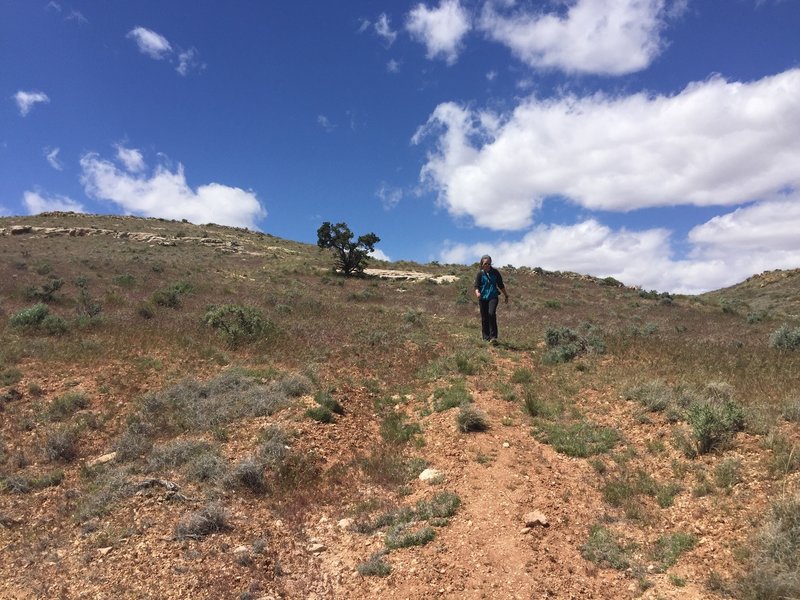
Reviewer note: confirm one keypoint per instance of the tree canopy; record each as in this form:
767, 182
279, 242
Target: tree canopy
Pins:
351, 256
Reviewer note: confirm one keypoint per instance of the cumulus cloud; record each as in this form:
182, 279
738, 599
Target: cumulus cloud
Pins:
610, 37
380, 255
388, 195
725, 250
440, 29
393, 66
52, 157
384, 29
152, 44
131, 158
37, 203
167, 194
714, 143
26, 100
187, 60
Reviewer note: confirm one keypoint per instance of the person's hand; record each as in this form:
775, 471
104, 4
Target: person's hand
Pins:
506, 298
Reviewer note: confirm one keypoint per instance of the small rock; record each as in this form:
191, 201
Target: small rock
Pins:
104, 551
345, 523
506, 445
525, 530
534, 518
430, 475
317, 548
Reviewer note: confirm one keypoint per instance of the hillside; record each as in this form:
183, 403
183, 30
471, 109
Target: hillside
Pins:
208, 412
776, 292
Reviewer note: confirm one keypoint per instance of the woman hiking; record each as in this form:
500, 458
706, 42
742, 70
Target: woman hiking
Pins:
488, 285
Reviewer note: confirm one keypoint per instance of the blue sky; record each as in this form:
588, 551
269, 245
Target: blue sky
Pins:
655, 141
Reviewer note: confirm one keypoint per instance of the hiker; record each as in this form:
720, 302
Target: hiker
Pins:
488, 285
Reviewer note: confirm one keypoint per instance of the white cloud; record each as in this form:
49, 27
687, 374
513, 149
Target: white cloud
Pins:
384, 29
763, 227
325, 123
393, 66
167, 194
642, 258
77, 16
388, 195
52, 157
187, 60
26, 100
441, 30
131, 158
379, 255
610, 37
36, 203
150, 43
714, 143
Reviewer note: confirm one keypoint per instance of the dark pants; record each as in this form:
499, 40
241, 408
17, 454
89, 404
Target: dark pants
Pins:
488, 318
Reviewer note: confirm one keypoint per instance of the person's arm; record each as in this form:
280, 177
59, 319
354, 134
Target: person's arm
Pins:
501, 286
477, 285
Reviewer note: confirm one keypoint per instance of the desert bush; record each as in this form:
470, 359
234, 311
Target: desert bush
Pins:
785, 458
405, 536
10, 376
605, 550
714, 420
522, 375
535, 406
440, 506
66, 405
387, 467
471, 419
785, 338
375, 566
321, 414
171, 296
294, 385
46, 292
565, 344
210, 519
728, 473
579, 438
124, 280
29, 318
61, 444
773, 568
237, 324
248, 473
176, 453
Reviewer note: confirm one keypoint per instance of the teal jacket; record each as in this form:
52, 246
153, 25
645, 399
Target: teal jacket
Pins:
489, 283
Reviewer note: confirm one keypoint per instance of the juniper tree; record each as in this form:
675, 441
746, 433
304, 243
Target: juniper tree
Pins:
351, 257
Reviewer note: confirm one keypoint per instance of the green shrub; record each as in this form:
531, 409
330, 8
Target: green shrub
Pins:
10, 376
655, 396
564, 344
728, 473
537, 407
326, 400
66, 405
248, 473
46, 292
170, 296
785, 338
714, 422
522, 375
441, 506
375, 566
321, 414
403, 536
29, 318
237, 324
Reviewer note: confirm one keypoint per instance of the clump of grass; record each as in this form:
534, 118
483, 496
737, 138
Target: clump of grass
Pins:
471, 419
441, 506
451, 397
785, 457
773, 569
728, 473
326, 400
294, 385
578, 438
176, 453
655, 396
321, 414
404, 536
522, 375
38, 317
785, 338
237, 324
46, 292
385, 466
395, 428
605, 550
66, 405
210, 519
248, 473
375, 566
535, 406
10, 376
171, 296
669, 547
